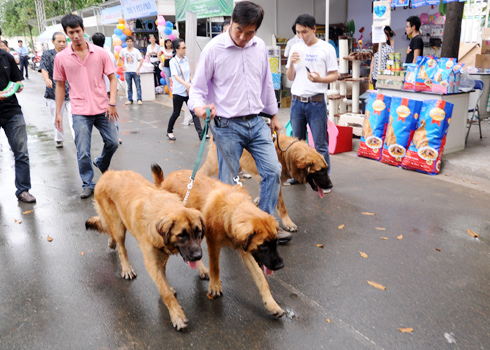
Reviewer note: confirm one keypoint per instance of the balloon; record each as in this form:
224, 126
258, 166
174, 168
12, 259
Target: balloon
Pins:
118, 48
162, 74
156, 22
68, 40
124, 45
120, 71
175, 32
169, 24
116, 55
166, 89
118, 31
119, 64
117, 42
171, 37
123, 37
167, 31
121, 20
121, 78
162, 81
117, 76
121, 26
128, 32
163, 57
161, 20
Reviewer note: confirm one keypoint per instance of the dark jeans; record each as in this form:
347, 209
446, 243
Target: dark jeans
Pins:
178, 102
129, 76
24, 62
15, 130
156, 75
374, 83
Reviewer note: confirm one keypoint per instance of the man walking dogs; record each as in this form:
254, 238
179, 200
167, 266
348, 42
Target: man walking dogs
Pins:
84, 65
311, 66
234, 81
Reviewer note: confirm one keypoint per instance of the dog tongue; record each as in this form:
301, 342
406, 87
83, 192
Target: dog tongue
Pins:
193, 265
267, 272
319, 189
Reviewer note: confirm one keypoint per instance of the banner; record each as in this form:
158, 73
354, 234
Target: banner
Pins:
111, 14
381, 13
138, 8
446, 1
400, 3
434, 2
203, 8
418, 3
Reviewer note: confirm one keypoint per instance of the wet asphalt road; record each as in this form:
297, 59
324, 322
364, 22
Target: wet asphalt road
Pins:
68, 293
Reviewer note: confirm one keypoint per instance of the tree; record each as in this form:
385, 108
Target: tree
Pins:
452, 29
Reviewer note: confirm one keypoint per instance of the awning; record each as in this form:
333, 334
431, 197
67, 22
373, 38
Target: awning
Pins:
47, 35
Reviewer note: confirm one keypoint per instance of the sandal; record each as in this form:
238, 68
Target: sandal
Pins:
171, 136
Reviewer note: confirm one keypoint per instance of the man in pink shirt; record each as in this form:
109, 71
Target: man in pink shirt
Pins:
84, 66
233, 79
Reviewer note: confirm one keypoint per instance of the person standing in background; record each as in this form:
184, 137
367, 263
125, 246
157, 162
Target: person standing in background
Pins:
291, 42
23, 58
168, 53
13, 124
131, 62
416, 46
225, 25
153, 53
387, 49
4, 45
46, 66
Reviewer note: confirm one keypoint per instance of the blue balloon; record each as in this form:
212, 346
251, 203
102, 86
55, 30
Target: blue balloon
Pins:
163, 82
167, 30
118, 31
123, 45
118, 76
169, 24
123, 37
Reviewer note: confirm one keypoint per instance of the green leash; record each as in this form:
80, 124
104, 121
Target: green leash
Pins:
199, 154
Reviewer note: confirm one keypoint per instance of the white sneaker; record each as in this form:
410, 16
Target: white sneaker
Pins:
140, 102
129, 103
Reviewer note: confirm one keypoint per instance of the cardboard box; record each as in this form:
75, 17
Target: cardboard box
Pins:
482, 61
468, 52
390, 82
286, 102
485, 38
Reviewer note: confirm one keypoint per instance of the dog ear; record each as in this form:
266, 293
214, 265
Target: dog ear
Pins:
164, 227
247, 242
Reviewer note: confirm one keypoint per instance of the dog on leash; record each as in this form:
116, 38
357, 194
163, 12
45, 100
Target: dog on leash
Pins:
159, 222
232, 220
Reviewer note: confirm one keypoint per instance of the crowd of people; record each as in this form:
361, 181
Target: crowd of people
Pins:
234, 96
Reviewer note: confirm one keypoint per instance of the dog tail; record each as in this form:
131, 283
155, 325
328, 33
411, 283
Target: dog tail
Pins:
94, 223
157, 173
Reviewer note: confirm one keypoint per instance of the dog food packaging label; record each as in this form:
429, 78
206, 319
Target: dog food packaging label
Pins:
440, 82
427, 146
456, 77
410, 76
404, 114
375, 122
425, 74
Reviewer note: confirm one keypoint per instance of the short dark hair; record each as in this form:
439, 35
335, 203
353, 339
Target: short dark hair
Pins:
294, 29
129, 38
226, 22
56, 33
5, 42
306, 20
98, 39
414, 21
19, 41
0, 31
248, 13
72, 21
176, 44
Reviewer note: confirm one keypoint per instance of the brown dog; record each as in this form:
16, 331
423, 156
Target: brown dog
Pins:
366, 128
420, 138
390, 134
159, 222
298, 161
231, 220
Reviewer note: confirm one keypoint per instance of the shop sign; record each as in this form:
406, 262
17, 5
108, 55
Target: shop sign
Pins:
434, 2
111, 15
418, 3
138, 8
203, 8
381, 13
400, 3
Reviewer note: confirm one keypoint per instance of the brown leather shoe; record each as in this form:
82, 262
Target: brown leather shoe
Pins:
26, 197
283, 236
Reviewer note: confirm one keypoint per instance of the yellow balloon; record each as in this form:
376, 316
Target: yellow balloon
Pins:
121, 26
156, 22
163, 57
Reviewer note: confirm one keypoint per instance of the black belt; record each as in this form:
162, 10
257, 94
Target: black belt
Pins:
243, 117
316, 98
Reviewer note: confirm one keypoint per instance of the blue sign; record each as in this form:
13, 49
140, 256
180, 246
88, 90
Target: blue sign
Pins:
111, 14
138, 8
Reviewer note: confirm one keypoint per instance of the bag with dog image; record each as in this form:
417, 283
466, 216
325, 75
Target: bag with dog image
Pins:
427, 146
375, 123
404, 114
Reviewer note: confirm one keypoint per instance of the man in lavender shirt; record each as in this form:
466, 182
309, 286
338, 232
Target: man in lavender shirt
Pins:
234, 81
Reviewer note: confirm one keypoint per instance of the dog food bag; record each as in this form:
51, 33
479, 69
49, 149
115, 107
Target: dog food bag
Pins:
427, 146
404, 114
440, 82
375, 122
456, 74
410, 75
425, 74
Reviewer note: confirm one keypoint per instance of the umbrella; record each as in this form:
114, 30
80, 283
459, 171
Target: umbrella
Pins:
47, 35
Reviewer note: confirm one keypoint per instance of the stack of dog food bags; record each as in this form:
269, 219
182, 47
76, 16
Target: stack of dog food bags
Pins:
404, 115
425, 74
410, 76
440, 83
427, 146
375, 123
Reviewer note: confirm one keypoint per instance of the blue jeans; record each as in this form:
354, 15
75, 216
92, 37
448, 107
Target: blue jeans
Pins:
314, 114
15, 130
129, 76
233, 135
83, 125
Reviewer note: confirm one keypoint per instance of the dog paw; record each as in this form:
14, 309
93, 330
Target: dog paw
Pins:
215, 291
128, 274
204, 273
256, 201
112, 243
291, 226
179, 321
277, 313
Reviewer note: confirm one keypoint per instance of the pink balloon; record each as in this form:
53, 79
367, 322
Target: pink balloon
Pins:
118, 48
162, 74
171, 37
161, 19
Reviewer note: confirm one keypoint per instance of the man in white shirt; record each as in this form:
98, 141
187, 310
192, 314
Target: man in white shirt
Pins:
291, 42
131, 63
311, 66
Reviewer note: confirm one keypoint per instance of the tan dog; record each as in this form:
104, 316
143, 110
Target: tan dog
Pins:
299, 161
231, 220
159, 222
420, 138
366, 129
390, 134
